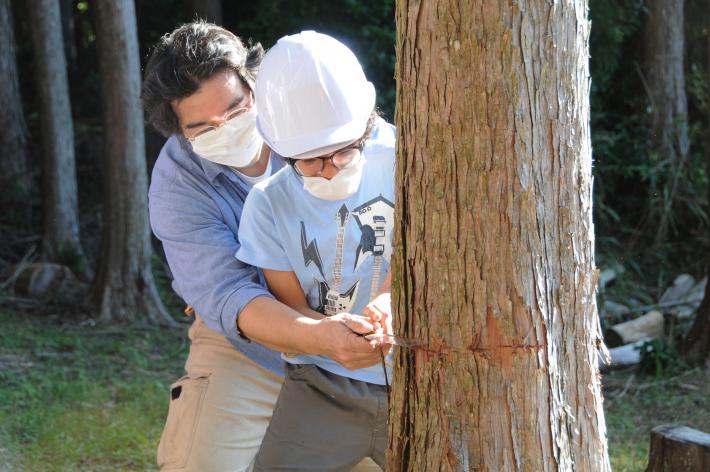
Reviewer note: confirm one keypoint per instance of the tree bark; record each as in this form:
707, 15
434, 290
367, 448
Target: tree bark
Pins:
494, 260
14, 176
697, 342
60, 240
663, 58
124, 287
209, 10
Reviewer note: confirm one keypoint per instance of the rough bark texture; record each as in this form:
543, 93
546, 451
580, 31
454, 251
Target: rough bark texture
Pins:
494, 263
663, 59
13, 132
60, 238
209, 10
124, 287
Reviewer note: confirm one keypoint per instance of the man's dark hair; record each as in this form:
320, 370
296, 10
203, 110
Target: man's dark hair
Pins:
185, 58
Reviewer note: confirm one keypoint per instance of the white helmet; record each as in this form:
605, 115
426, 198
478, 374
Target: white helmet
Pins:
312, 96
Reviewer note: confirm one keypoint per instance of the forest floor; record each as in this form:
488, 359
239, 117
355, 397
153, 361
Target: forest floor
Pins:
635, 402
76, 397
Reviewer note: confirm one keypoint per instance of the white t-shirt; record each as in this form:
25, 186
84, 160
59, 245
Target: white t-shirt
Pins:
251, 181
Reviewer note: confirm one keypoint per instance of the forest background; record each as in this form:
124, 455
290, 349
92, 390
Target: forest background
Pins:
82, 398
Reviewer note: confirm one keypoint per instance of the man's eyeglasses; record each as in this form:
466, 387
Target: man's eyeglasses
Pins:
341, 159
226, 118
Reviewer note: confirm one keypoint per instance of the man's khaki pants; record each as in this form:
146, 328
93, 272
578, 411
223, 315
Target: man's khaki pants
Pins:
220, 410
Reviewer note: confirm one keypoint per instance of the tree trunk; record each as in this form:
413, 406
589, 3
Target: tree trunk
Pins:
697, 343
494, 263
678, 449
67, 13
60, 240
665, 75
14, 177
209, 10
124, 288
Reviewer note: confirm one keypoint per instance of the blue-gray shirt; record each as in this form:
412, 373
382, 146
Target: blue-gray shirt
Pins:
195, 208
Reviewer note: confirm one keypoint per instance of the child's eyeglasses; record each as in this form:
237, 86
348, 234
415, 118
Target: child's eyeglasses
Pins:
341, 159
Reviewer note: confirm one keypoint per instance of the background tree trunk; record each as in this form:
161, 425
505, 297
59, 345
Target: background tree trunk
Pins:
124, 287
665, 74
210, 10
60, 241
494, 263
13, 132
67, 13
697, 343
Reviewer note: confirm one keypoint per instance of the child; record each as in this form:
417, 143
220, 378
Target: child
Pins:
321, 230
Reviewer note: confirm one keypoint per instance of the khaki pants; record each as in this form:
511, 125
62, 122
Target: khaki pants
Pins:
220, 410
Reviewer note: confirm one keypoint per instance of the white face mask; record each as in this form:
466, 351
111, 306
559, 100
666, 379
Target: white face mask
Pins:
236, 143
341, 186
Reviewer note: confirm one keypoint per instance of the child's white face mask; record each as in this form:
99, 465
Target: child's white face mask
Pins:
340, 186
236, 143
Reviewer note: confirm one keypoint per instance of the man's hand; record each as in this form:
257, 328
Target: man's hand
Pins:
338, 338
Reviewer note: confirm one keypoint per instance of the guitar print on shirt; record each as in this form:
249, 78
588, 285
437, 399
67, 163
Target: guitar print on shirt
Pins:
331, 300
335, 301
375, 219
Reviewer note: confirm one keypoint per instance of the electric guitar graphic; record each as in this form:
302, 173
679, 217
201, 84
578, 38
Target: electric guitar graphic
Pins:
375, 221
378, 250
336, 302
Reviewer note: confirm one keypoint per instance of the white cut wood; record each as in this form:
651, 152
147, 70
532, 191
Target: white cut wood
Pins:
626, 355
613, 308
606, 277
691, 299
650, 325
680, 287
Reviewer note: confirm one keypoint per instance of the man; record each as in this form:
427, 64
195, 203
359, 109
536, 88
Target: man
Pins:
197, 92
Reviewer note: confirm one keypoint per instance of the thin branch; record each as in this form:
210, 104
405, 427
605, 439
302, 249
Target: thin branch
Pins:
26, 260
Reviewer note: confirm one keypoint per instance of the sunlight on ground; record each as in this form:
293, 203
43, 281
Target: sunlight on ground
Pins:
72, 398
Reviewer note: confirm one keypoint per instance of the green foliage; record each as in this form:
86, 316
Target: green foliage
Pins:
72, 256
632, 182
365, 26
614, 22
661, 356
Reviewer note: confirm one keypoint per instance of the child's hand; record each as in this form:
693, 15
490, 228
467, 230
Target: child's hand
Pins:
379, 311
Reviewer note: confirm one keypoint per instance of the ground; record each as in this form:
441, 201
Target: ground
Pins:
76, 397
635, 403
83, 398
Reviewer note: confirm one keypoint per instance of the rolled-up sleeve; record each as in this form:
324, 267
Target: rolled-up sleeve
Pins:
200, 249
